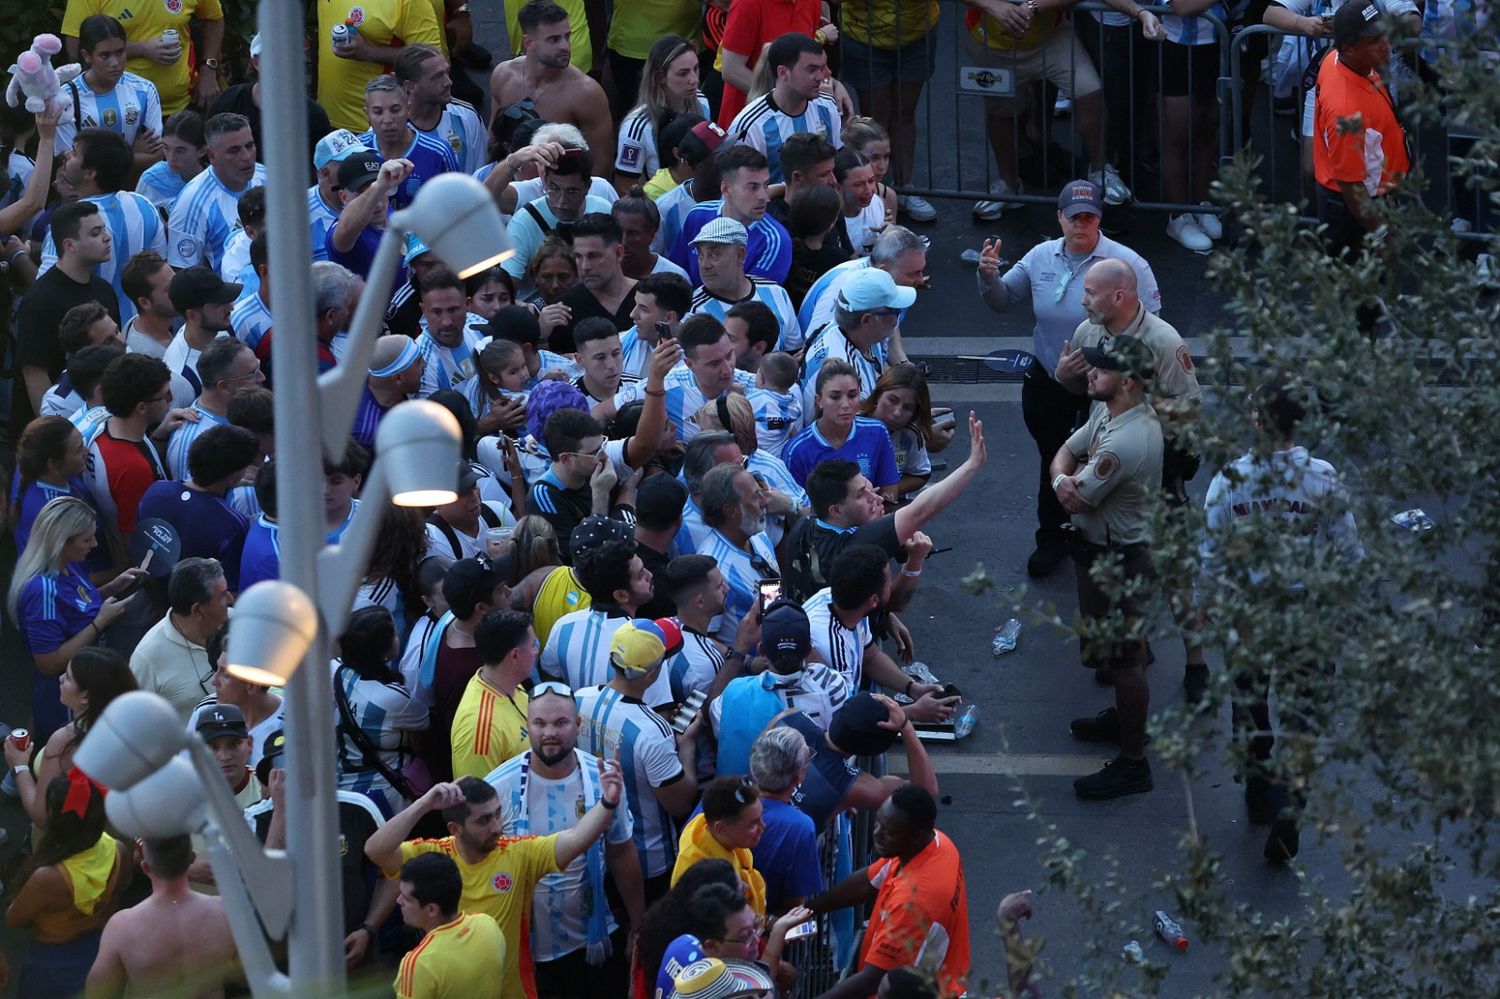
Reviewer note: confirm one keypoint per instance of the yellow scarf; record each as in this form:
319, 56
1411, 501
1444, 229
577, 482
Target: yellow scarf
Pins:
698, 843
88, 871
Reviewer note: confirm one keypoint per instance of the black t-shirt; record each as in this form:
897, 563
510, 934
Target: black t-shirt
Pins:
829, 541
239, 100
37, 319
808, 265
660, 605
358, 820
586, 306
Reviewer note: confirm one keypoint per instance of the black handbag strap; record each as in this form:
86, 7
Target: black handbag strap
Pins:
367, 748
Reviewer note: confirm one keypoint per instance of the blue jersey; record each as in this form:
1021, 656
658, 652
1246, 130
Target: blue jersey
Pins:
769, 294
367, 417
321, 219
764, 126
251, 321
868, 446
161, 185
134, 225
260, 558
207, 525
205, 215
769, 254
182, 439
37, 494
429, 157
133, 106
673, 206
53, 608
743, 571
460, 129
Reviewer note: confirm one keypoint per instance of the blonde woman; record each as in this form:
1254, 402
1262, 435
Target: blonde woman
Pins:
669, 86
58, 610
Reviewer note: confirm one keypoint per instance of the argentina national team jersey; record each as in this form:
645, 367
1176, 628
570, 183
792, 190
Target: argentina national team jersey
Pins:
160, 185
684, 397
132, 107
182, 439
778, 417
831, 342
768, 253
577, 652
743, 571
616, 727
635, 151
320, 218
460, 129
446, 366
635, 354
429, 156
765, 126
868, 446
251, 320
90, 423
817, 304
769, 294
134, 225
843, 649
205, 215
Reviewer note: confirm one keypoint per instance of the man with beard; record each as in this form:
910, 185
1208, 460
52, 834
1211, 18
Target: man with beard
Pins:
603, 291
207, 211
427, 79
499, 873
734, 509
204, 301
446, 344
542, 791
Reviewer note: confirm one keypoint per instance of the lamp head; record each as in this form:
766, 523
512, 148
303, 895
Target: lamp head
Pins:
134, 737
456, 217
170, 802
418, 445
274, 624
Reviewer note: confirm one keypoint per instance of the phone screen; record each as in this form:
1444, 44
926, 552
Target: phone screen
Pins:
770, 592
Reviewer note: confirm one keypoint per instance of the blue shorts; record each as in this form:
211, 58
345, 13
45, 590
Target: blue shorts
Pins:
866, 68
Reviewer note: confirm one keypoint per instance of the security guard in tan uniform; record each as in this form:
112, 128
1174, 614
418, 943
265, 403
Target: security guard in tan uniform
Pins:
1106, 476
1114, 309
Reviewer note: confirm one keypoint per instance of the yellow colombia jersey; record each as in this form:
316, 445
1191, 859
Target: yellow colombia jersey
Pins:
341, 82
500, 886
459, 959
560, 593
144, 20
488, 728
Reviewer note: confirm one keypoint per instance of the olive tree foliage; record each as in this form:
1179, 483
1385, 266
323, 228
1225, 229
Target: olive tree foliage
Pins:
1402, 757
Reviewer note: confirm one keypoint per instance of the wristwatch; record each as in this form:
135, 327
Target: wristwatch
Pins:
209, 64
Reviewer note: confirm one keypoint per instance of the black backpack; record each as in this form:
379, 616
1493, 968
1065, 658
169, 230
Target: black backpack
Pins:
801, 573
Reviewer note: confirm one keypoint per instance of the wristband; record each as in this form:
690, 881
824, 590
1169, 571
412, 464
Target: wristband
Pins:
656, 393
17, 255
1057, 481
368, 929
909, 574
20, 768
735, 654
607, 806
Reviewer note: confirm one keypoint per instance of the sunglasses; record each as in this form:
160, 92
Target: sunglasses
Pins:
520, 111
551, 687
745, 793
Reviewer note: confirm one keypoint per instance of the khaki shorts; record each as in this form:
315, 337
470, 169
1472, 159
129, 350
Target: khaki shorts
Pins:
1061, 60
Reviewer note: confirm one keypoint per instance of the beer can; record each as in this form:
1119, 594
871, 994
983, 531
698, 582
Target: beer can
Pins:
340, 35
169, 36
20, 738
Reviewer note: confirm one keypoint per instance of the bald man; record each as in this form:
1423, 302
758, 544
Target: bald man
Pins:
1114, 309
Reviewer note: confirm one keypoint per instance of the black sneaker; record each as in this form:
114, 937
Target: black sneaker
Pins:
1103, 727
1046, 558
1118, 778
1258, 801
1282, 844
1195, 682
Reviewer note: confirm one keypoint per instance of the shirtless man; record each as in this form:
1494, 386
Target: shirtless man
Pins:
543, 75
177, 941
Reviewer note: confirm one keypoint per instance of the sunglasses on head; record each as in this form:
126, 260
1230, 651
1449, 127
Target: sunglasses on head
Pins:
551, 687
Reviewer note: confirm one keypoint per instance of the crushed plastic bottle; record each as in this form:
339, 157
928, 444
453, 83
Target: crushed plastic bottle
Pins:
1169, 930
1005, 638
1131, 953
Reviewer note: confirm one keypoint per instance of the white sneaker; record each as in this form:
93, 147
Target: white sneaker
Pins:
1212, 227
1185, 229
989, 211
1113, 186
916, 208
1062, 107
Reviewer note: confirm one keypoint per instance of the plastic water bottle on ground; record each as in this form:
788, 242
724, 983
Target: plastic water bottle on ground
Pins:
1005, 638
1169, 930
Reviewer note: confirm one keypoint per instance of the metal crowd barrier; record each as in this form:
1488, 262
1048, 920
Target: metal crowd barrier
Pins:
954, 158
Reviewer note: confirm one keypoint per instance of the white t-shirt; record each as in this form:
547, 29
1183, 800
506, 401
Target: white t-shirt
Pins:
635, 150
438, 542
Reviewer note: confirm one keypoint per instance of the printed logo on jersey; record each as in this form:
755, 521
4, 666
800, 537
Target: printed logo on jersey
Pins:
173, 6
83, 598
456, 142
1106, 464
343, 845
630, 155
132, 115
502, 883
1185, 358
356, 16
186, 247
126, 14
111, 117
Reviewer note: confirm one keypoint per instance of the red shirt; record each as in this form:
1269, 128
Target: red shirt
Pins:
120, 471
1374, 151
921, 905
753, 24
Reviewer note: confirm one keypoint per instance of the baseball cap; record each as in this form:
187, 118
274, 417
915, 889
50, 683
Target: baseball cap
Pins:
593, 531
785, 630
272, 750
1356, 19
468, 477
358, 169
856, 728
660, 499
723, 230
640, 644
1079, 196
220, 720
872, 288
515, 323
335, 146
415, 247
714, 978
1126, 354
197, 286
472, 581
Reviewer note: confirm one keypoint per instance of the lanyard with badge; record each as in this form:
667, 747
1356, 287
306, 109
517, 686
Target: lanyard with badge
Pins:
1064, 282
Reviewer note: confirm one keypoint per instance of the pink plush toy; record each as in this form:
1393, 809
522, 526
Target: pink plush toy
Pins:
33, 77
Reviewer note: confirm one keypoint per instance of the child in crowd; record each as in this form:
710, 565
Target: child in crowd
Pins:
901, 402
777, 401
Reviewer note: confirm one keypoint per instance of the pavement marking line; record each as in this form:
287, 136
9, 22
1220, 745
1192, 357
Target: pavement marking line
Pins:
1008, 764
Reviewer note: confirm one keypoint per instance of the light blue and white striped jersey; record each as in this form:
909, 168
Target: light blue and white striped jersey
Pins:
765, 126
235, 267
693, 530
773, 473
831, 342
130, 108
385, 713
181, 358
205, 215
577, 652
532, 805
160, 185
841, 648
1193, 30
694, 668
460, 129
817, 304
778, 417
635, 353
134, 225
446, 366
320, 218
673, 207
613, 726
684, 397
742, 571
635, 149
90, 423
816, 690
14, 176
770, 294
183, 437
250, 319
429, 156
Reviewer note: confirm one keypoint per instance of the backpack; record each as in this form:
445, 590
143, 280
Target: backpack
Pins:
801, 573
490, 518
